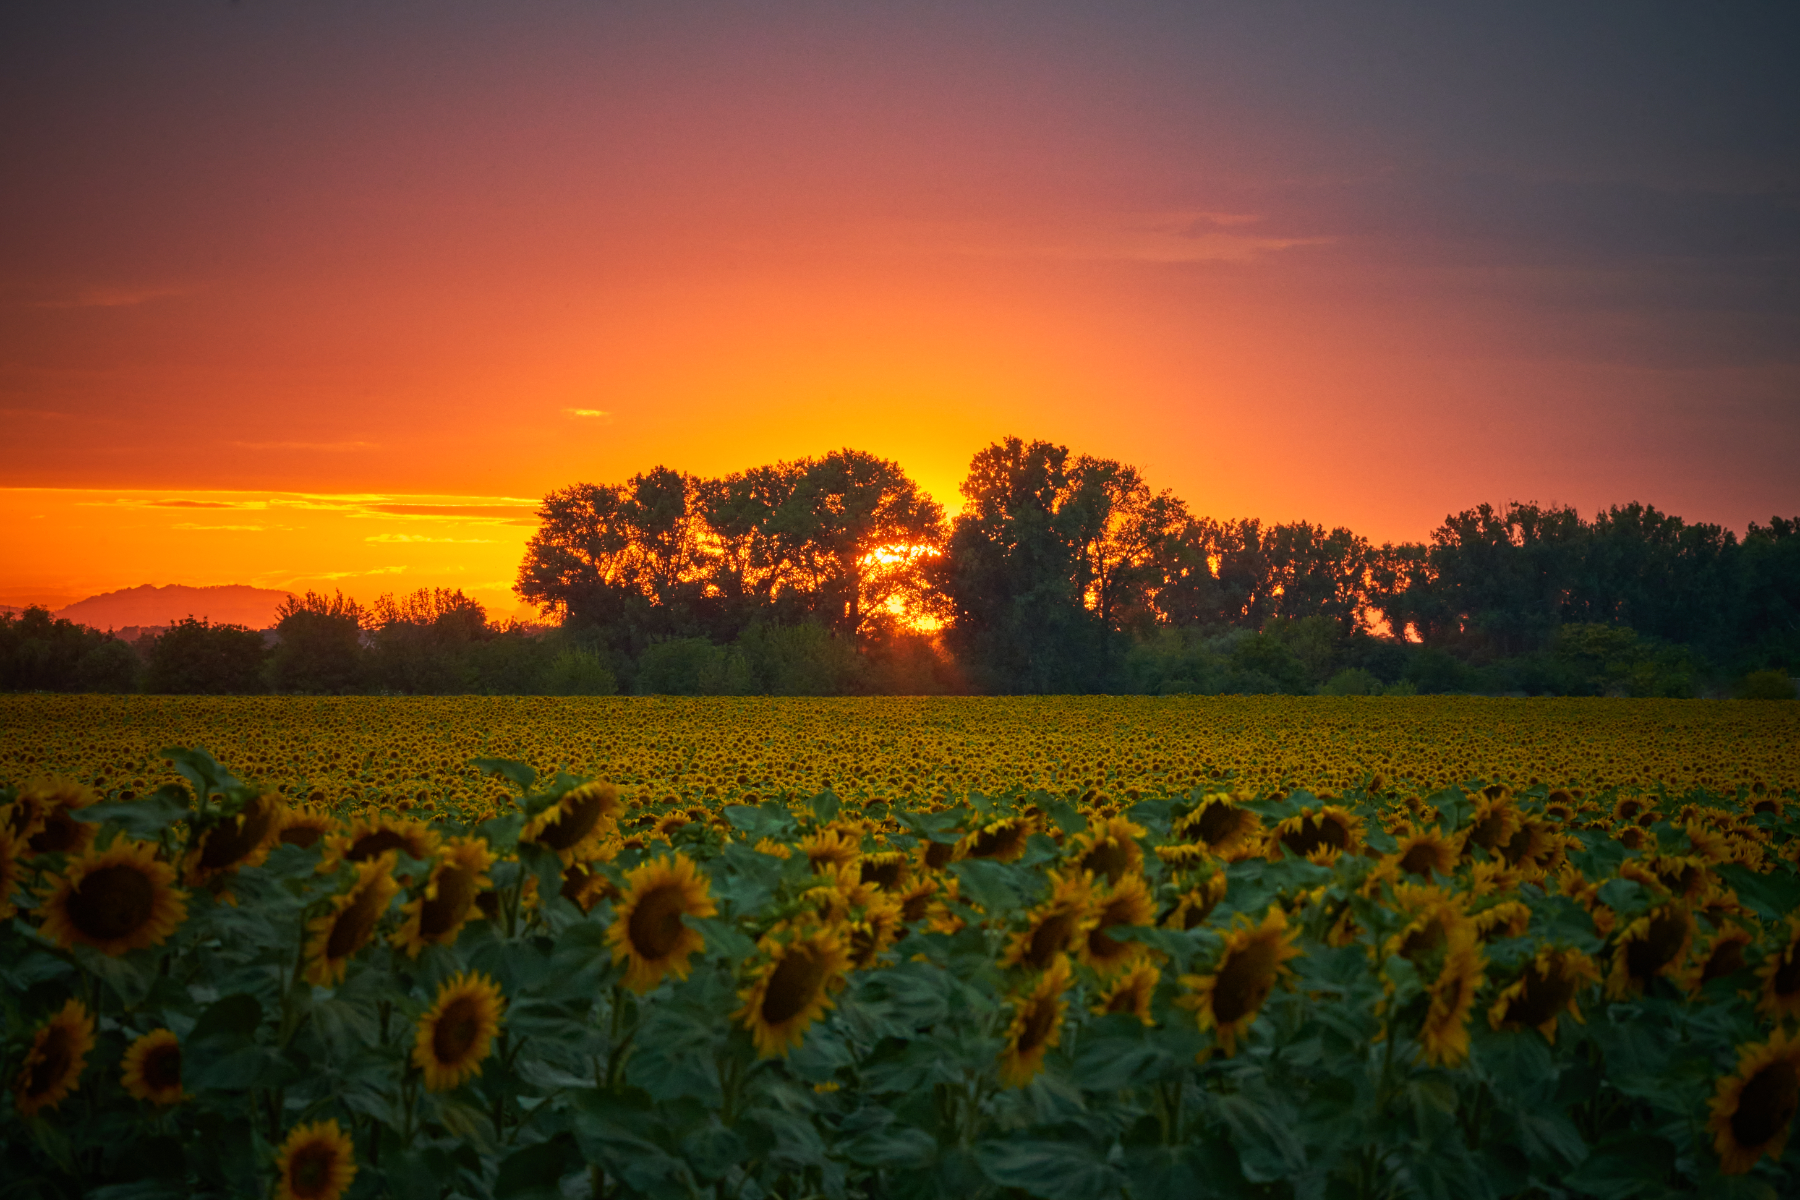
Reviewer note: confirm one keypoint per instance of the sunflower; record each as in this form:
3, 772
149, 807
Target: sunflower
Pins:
1197, 903
52, 1067
1780, 976
1652, 945
829, 848
1507, 919
304, 826
880, 927
1217, 823
1427, 853
1321, 835
1255, 959
347, 928
804, 963
447, 902
1445, 1034
1436, 917
1544, 989
773, 848
1753, 1108
917, 898
1181, 855
1002, 840
935, 856
889, 870
152, 1068
576, 823
1111, 850
1036, 1025
368, 838
241, 840
1127, 903
458, 1032
648, 933
584, 886
114, 900
43, 816
317, 1162
1053, 926
1535, 847
1720, 956
1131, 993
1494, 822
9, 872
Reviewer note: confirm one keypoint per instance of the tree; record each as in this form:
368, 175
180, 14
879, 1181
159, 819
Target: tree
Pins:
320, 648
39, 652
195, 656
421, 642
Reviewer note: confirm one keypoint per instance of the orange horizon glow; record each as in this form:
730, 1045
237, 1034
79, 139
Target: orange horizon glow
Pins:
363, 256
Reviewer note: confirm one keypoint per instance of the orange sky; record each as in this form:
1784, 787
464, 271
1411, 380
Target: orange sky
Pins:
305, 262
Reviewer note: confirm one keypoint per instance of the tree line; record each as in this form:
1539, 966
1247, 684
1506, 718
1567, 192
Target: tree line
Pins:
1063, 572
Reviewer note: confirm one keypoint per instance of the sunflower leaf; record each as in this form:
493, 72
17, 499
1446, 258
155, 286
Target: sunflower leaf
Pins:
144, 818
1053, 1170
521, 774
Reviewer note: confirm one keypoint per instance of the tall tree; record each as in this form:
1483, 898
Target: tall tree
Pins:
319, 647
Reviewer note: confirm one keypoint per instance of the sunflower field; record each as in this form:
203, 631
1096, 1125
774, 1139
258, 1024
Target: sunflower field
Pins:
1087, 947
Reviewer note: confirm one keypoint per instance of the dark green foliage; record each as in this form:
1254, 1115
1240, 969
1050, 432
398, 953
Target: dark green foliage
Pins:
195, 656
319, 648
39, 652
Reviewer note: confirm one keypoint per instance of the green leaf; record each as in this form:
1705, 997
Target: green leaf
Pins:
523, 775
1623, 895
200, 769
874, 1137
542, 862
1065, 815
1625, 1169
824, 806
534, 1172
992, 885
766, 820
1773, 896
144, 818
1454, 808
1263, 1136
1051, 1170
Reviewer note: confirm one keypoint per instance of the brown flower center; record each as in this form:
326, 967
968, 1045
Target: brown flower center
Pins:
456, 1031
1048, 939
1648, 955
582, 810
53, 1062
1422, 859
997, 843
1315, 833
300, 835
235, 839
1727, 958
655, 926
1766, 1105
1244, 981
355, 923
1040, 1019
112, 902
1220, 823
162, 1067
884, 875
793, 984
310, 1170
60, 834
1545, 994
937, 854
375, 844
444, 912
1108, 858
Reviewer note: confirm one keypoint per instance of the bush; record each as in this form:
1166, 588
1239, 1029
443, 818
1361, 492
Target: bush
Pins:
1766, 685
1352, 681
198, 657
692, 667
575, 672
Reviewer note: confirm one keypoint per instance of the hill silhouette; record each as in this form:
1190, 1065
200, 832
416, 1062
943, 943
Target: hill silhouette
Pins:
235, 604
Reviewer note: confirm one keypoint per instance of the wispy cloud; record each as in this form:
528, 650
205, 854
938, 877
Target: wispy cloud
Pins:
407, 537
1173, 237
220, 528
327, 447
102, 296
197, 504
589, 414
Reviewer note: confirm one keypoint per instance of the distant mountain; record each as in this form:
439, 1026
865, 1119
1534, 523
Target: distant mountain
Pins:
231, 604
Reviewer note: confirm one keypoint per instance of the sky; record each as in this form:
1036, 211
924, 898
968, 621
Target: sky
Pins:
327, 293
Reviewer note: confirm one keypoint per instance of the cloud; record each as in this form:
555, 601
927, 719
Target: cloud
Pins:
328, 447
407, 537
466, 511
113, 297
1180, 236
222, 528
588, 413
194, 504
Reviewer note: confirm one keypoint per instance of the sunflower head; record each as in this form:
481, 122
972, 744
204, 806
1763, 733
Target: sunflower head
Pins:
1219, 824
889, 870
243, 839
152, 1068
1131, 993
1319, 835
803, 963
1427, 854
1127, 902
458, 1032
305, 825
9, 872
114, 900
1055, 925
830, 849
1495, 821
1753, 1108
1036, 1025
1652, 945
316, 1162
1254, 961
53, 1065
1549, 985
1111, 850
1780, 976
1002, 840
347, 926
648, 933
1197, 903
1444, 1037
1719, 957
447, 901
368, 838
43, 816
